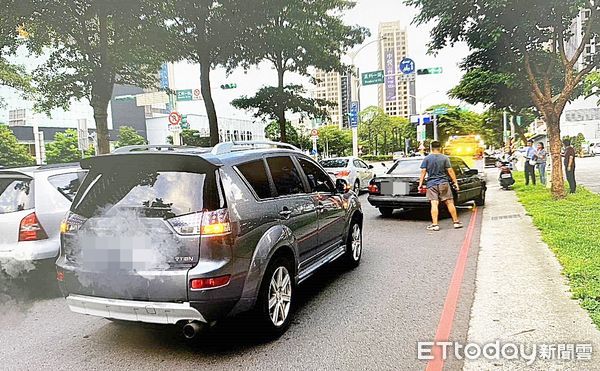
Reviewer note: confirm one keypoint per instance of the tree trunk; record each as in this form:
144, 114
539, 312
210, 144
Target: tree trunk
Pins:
558, 183
100, 107
281, 106
209, 104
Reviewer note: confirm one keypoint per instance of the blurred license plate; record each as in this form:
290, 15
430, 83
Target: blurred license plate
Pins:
504, 176
395, 188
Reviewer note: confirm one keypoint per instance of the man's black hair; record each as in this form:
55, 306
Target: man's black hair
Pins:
567, 142
436, 145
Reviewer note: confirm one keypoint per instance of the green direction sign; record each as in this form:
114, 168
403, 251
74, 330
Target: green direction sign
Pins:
430, 71
372, 78
184, 95
440, 111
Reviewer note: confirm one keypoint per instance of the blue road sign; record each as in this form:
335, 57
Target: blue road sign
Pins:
354, 114
407, 66
313, 152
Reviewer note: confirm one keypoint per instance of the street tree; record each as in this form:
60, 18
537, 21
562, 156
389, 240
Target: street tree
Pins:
12, 153
191, 137
529, 36
268, 101
128, 136
89, 46
294, 136
296, 35
64, 148
334, 141
212, 33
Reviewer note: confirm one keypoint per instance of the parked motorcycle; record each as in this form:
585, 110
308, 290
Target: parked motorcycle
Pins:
505, 177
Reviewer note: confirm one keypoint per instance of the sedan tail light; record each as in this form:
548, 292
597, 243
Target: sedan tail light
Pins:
31, 229
373, 188
423, 190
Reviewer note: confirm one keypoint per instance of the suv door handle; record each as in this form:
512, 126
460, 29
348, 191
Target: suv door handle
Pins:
285, 213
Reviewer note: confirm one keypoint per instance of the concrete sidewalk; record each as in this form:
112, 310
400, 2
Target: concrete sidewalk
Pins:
521, 296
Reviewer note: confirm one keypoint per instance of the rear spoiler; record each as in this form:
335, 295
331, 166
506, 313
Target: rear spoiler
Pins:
14, 174
136, 160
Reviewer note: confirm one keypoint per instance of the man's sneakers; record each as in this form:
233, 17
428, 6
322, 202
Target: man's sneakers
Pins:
435, 227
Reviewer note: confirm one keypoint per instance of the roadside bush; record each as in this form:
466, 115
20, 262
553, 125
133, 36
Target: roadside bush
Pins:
571, 229
377, 158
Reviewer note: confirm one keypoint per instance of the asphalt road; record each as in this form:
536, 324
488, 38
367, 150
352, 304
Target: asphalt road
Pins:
587, 172
367, 318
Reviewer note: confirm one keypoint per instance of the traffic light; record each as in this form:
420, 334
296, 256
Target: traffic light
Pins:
184, 122
228, 86
430, 71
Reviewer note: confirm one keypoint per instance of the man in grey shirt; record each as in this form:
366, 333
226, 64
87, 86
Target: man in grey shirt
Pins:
437, 168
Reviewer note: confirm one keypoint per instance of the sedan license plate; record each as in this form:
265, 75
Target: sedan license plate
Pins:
395, 188
506, 176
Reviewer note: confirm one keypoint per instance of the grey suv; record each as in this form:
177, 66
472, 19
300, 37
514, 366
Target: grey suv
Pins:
188, 236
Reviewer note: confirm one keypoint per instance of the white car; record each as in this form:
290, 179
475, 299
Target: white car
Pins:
33, 202
353, 170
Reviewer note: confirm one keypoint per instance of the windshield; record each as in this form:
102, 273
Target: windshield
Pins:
15, 195
334, 162
408, 168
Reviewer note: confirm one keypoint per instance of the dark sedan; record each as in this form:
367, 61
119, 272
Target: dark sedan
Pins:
398, 188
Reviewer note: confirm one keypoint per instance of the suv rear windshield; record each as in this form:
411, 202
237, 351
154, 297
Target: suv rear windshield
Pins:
152, 192
16, 195
338, 162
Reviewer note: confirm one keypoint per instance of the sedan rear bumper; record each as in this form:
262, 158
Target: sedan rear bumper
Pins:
398, 202
133, 310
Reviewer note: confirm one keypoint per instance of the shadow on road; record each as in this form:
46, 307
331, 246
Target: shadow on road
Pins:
423, 214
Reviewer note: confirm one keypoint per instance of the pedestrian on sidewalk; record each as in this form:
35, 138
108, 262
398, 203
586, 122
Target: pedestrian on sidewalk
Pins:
530, 162
570, 165
541, 156
437, 168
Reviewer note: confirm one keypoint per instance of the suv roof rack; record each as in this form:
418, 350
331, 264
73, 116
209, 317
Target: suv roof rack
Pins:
149, 147
227, 147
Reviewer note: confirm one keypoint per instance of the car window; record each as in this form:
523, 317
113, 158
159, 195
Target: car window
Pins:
334, 162
67, 184
463, 166
255, 174
285, 176
357, 164
363, 164
16, 195
318, 180
456, 167
410, 168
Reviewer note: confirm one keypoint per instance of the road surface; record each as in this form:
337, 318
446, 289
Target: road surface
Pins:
587, 172
367, 318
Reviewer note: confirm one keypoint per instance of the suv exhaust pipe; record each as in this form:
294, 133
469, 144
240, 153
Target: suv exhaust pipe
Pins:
191, 329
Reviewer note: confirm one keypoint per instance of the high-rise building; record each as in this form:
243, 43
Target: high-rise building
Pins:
395, 94
337, 88
577, 31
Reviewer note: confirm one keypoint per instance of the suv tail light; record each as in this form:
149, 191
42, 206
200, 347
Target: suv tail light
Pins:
205, 223
31, 229
343, 173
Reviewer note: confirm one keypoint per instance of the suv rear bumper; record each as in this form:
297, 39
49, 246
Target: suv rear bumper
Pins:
133, 310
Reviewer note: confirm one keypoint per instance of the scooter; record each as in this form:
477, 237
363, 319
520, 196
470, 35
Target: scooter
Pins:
506, 178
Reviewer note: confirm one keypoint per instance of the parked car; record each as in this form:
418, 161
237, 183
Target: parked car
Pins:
190, 236
353, 170
398, 188
33, 201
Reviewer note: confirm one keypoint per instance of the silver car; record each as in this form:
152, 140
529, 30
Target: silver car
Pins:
351, 169
190, 236
33, 202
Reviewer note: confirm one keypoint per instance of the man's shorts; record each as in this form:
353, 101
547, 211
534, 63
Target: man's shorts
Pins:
441, 192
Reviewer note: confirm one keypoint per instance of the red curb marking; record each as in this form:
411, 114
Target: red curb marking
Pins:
447, 319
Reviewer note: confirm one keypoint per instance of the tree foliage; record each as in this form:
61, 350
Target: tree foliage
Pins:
92, 46
268, 102
128, 136
295, 137
64, 148
334, 141
298, 34
381, 134
11, 152
527, 39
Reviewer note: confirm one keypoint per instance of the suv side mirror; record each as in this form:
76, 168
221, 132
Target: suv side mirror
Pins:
341, 186
472, 172
370, 166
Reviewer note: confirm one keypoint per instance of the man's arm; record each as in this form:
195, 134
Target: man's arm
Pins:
453, 177
571, 161
422, 179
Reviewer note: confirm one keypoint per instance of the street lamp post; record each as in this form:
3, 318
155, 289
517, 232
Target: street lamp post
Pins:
355, 129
